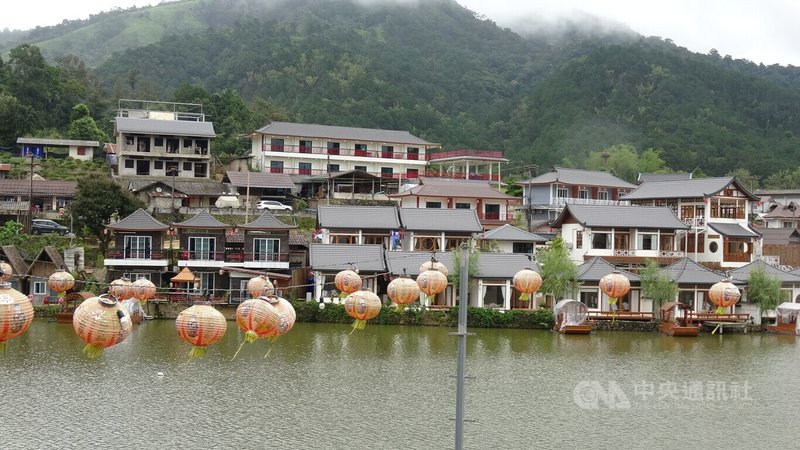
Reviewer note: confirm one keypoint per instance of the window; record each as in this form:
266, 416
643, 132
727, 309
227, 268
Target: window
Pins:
200, 170
601, 240
602, 194
276, 167
39, 288
187, 166
266, 249
463, 206
583, 193
344, 238
578, 238
433, 204
386, 172
276, 145
360, 168
646, 241
491, 212
158, 165
589, 298
333, 148
305, 146
412, 153
143, 167
361, 150
202, 248
129, 140
187, 143
81, 151
686, 297
133, 276
304, 168
387, 151
333, 168
412, 173
206, 282
137, 247
129, 164
172, 169
522, 247
426, 243
562, 192
159, 142
713, 247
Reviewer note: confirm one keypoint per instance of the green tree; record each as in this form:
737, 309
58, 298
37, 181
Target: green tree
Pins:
11, 233
764, 290
559, 273
96, 200
656, 286
83, 127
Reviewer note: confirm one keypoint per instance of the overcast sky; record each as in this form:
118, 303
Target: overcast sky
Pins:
763, 31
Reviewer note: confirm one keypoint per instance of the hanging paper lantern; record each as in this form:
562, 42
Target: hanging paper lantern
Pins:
143, 289
434, 265
431, 282
615, 285
101, 322
257, 318
61, 282
201, 326
403, 291
16, 313
260, 285
347, 282
362, 306
5, 272
286, 315
121, 288
527, 281
724, 294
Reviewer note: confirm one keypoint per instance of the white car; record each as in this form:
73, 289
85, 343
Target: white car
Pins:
272, 205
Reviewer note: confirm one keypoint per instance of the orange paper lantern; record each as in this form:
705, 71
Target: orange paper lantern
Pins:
724, 294
6, 271
60, 282
260, 285
434, 265
431, 282
527, 281
403, 291
362, 306
257, 318
615, 285
200, 325
347, 282
101, 322
143, 289
16, 313
286, 313
121, 288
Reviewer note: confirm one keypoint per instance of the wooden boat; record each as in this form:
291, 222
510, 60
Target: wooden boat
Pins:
676, 320
572, 317
786, 315
71, 301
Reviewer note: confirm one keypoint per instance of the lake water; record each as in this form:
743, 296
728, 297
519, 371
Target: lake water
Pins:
393, 387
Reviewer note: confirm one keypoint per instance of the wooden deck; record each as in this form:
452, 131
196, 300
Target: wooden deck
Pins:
706, 316
620, 315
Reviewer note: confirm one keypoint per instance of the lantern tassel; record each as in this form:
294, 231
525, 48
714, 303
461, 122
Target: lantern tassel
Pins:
268, 351
524, 297
92, 351
250, 336
3, 347
720, 310
401, 308
613, 301
246, 340
358, 324
343, 294
197, 352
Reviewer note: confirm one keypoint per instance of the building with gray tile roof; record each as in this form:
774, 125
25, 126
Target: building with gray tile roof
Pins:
433, 187
687, 272
165, 127
139, 220
203, 220
786, 277
694, 188
259, 180
305, 130
733, 230
266, 221
336, 257
358, 217
509, 232
57, 142
596, 268
650, 217
676, 176
503, 265
578, 177
412, 261
442, 220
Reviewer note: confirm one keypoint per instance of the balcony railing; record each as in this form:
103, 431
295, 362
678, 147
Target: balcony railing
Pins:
164, 151
394, 175
362, 153
464, 153
648, 253
508, 217
136, 254
562, 201
233, 256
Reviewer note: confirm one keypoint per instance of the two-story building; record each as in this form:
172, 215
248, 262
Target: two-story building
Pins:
139, 250
359, 225
544, 196
438, 230
311, 149
716, 209
510, 239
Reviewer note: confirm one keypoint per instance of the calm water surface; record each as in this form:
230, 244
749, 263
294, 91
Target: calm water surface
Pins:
393, 387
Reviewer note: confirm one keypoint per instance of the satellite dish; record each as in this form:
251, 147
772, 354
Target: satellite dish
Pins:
158, 189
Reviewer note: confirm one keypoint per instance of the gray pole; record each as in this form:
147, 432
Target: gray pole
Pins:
462, 344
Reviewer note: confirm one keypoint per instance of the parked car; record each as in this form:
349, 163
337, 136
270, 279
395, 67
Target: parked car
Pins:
272, 205
41, 226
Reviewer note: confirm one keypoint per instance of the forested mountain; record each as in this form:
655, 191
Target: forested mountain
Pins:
430, 67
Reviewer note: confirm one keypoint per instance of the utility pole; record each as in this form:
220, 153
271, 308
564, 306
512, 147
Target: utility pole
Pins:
462, 334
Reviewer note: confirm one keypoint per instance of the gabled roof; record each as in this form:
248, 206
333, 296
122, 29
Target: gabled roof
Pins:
685, 271
14, 257
58, 188
655, 217
779, 236
509, 232
304, 130
694, 188
358, 217
579, 177
57, 142
335, 257
429, 187
596, 268
203, 220
677, 176
188, 187
411, 261
49, 253
259, 180
266, 222
784, 212
164, 127
139, 220
733, 230
436, 219
743, 273
503, 265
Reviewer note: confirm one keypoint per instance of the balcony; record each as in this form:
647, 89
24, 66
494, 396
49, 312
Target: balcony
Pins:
563, 201
495, 218
465, 153
357, 153
136, 258
266, 260
129, 149
433, 173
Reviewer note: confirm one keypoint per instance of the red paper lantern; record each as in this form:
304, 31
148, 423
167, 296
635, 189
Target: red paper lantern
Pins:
431, 282
101, 322
121, 288
527, 281
143, 289
403, 291
434, 265
286, 314
16, 313
724, 294
362, 306
347, 282
260, 285
201, 326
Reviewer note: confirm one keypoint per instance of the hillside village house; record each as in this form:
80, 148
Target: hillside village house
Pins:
769, 199
359, 225
548, 193
510, 239
782, 216
327, 260
138, 248
780, 246
76, 149
716, 209
438, 230
589, 293
50, 197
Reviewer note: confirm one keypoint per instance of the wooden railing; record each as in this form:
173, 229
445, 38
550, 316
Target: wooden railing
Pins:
620, 315
703, 316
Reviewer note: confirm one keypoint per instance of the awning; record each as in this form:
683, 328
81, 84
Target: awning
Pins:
184, 276
733, 230
227, 201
